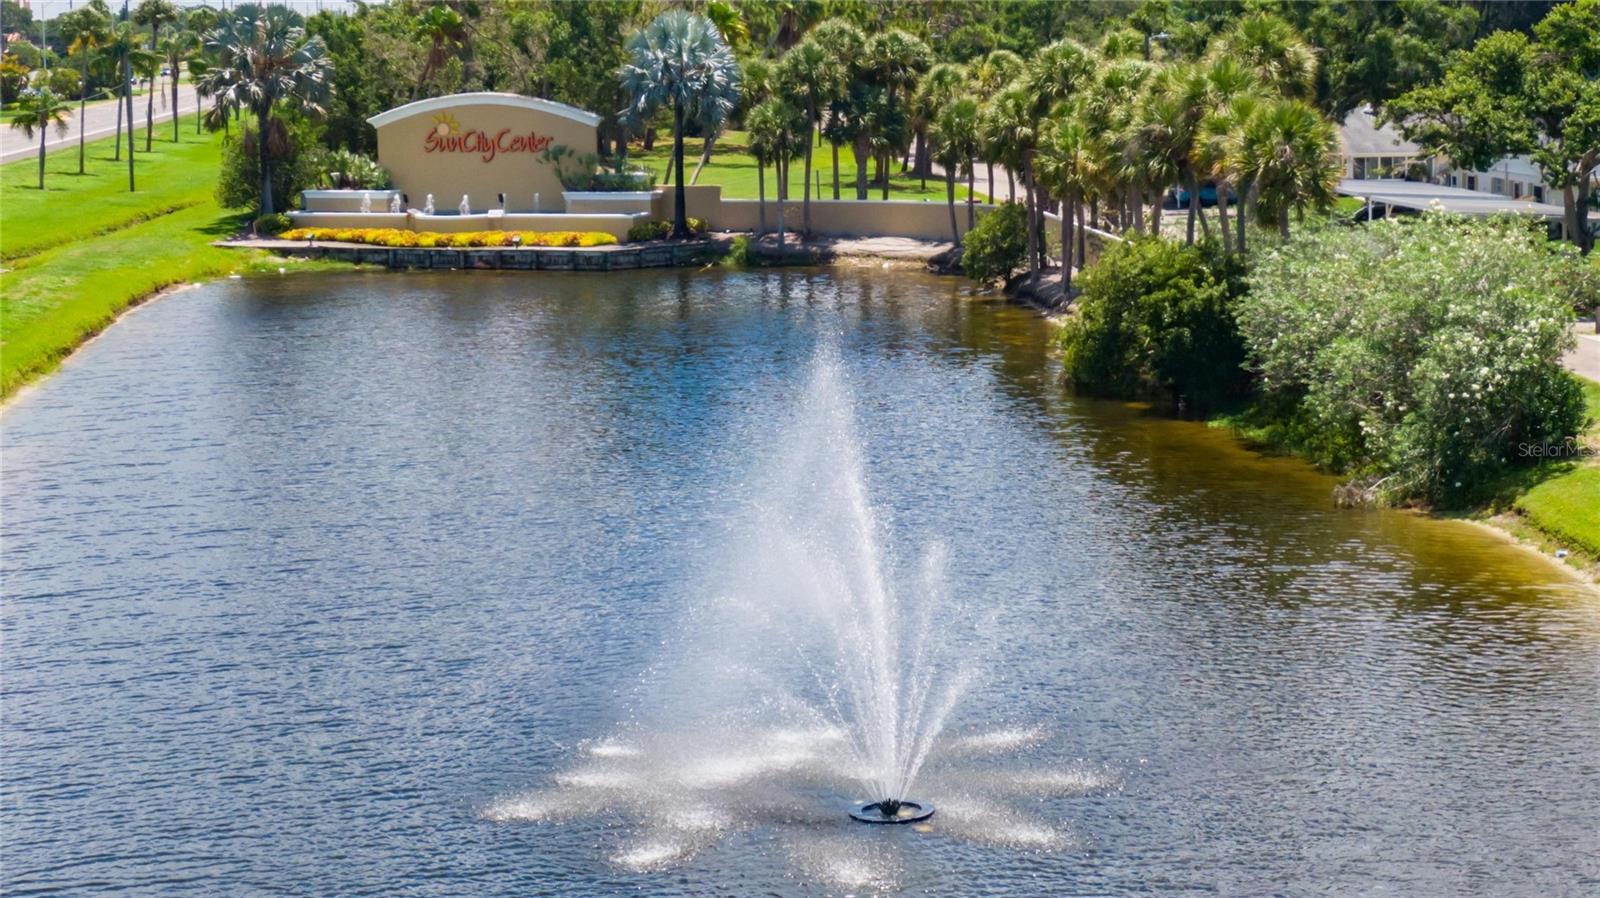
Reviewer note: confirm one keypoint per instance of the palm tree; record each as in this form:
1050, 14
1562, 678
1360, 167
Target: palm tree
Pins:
199, 21
895, 59
445, 32
175, 46
844, 44
814, 76
939, 88
955, 137
680, 60
1012, 125
989, 75
265, 62
1169, 125
154, 14
1273, 50
86, 31
772, 142
126, 48
1066, 167
1290, 153
37, 110
1231, 100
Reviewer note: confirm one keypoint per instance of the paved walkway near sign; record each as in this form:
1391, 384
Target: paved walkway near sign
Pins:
100, 119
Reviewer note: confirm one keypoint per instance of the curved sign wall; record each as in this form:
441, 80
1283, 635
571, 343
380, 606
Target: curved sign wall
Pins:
482, 145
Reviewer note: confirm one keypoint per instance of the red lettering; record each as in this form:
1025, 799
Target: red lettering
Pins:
476, 141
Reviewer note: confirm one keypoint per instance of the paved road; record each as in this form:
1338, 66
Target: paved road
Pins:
101, 121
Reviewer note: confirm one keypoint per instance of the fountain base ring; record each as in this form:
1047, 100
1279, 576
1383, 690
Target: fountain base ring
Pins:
906, 812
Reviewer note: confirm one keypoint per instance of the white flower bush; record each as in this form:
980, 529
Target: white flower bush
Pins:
1424, 351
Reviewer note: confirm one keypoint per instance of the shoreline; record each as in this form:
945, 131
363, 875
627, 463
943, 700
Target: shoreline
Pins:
134, 305
1511, 525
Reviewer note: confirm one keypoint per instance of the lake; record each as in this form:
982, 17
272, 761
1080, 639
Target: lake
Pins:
401, 584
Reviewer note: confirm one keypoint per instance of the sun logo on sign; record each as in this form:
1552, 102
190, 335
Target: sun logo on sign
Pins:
445, 125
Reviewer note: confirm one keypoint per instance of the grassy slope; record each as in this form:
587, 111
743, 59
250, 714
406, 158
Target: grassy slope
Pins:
170, 177
70, 273
733, 168
1566, 506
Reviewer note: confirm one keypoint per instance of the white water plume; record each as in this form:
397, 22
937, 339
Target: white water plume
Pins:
849, 635
815, 668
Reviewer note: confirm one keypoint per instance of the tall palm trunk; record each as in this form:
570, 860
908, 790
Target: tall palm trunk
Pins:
1194, 207
83, 98
1083, 234
174, 103
1222, 216
862, 154
127, 92
266, 163
705, 156
1033, 230
150, 115
680, 215
922, 156
1011, 186
805, 189
992, 191
117, 144
199, 116
783, 194
1283, 223
835, 170
950, 198
1068, 212
971, 212
44, 127
761, 202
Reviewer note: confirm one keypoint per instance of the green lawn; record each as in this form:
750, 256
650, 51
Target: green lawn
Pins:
85, 249
170, 177
734, 169
1567, 505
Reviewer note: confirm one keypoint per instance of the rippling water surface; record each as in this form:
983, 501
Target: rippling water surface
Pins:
379, 584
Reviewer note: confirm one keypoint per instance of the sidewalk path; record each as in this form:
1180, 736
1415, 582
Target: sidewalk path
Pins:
100, 119
1584, 359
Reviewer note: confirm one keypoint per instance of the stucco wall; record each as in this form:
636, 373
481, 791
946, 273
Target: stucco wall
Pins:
841, 218
492, 147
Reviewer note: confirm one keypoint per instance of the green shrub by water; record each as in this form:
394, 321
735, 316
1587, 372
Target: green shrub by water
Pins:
1423, 352
1156, 316
997, 245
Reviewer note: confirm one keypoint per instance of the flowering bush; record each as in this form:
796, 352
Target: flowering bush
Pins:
1426, 350
398, 238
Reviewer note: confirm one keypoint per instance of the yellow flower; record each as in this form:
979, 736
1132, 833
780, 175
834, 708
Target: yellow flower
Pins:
445, 125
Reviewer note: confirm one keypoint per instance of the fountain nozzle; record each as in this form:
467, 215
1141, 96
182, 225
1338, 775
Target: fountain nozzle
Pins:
891, 810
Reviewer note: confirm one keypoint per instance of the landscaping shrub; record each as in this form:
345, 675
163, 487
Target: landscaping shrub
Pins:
345, 170
294, 164
402, 239
658, 230
270, 225
1157, 316
1429, 347
997, 245
739, 255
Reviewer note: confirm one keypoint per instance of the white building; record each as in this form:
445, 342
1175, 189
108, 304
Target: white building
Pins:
1371, 151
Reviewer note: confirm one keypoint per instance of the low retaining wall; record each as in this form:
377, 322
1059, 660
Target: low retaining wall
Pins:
593, 258
616, 225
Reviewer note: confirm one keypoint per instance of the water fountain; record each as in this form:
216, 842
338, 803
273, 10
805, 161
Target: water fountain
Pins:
810, 680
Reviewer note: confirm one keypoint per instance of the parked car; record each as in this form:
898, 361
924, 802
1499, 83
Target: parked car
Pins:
1208, 196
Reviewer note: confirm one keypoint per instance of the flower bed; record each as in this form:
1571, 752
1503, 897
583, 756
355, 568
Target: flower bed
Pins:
398, 238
